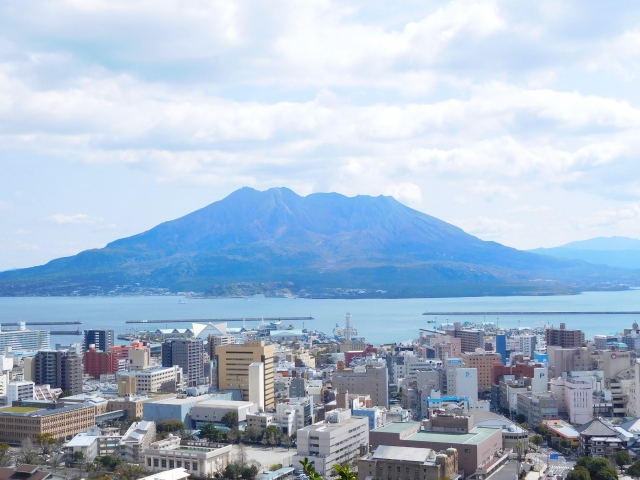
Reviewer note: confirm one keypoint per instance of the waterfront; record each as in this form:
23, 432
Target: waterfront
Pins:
380, 321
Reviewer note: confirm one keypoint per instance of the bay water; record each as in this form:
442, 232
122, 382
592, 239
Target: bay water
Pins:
379, 320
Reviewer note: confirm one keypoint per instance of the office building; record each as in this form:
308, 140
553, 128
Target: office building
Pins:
102, 339
294, 414
575, 399
483, 362
501, 346
212, 411
136, 439
214, 341
59, 369
19, 391
201, 462
408, 463
187, 353
233, 368
340, 439
60, 421
480, 448
537, 407
298, 387
98, 363
564, 338
372, 380
470, 338
161, 379
24, 340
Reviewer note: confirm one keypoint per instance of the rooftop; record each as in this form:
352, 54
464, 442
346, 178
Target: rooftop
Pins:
175, 474
182, 401
412, 454
224, 403
19, 409
475, 436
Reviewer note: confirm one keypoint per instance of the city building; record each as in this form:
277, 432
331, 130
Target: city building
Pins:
24, 472
170, 408
161, 379
471, 339
369, 380
537, 407
501, 346
173, 474
60, 369
339, 439
93, 443
102, 339
201, 462
564, 338
408, 463
188, 354
483, 362
214, 341
212, 411
18, 423
598, 439
294, 414
233, 368
19, 391
256, 384
260, 421
24, 340
563, 430
98, 363
575, 398
136, 440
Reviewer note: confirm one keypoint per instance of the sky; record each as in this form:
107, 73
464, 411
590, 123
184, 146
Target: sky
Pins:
517, 121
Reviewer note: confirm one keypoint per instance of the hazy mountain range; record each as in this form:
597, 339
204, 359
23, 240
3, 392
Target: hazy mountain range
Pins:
614, 251
324, 244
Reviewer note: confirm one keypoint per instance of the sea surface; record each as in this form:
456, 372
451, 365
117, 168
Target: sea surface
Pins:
380, 321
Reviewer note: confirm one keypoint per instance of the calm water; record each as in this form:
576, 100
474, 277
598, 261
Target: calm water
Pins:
379, 321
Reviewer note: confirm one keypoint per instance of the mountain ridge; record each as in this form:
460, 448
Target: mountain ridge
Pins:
613, 251
318, 245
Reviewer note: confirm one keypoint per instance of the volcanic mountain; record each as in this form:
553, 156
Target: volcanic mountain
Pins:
324, 244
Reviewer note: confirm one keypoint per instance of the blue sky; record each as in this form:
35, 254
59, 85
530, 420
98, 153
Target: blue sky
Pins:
517, 121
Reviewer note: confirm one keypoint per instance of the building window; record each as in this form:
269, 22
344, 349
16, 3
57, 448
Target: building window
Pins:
164, 463
155, 462
187, 465
171, 463
195, 466
178, 463
148, 462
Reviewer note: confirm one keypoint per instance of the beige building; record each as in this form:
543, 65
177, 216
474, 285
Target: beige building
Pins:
339, 439
372, 380
233, 368
260, 421
134, 404
483, 362
200, 461
18, 423
161, 379
408, 463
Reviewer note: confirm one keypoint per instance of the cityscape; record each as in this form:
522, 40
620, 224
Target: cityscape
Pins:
460, 400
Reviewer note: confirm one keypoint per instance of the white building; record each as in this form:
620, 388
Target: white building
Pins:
465, 384
93, 443
24, 340
256, 384
212, 411
295, 414
19, 391
162, 379
202, 462
175, 474
575, 398
136, 440
450, 365
339, 439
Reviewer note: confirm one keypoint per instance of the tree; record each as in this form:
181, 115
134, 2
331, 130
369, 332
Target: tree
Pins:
345, 472
173, 425
309, 469
286, 439
594, 465
520, 454
579, 473
109, 462
272, 432
520, 418
537, 440
634, 469
128, 471
606, 474
252, 434
622, 458
275, 466
28, 453
5, 458
211, 433
45, 440
233, 435
230, 419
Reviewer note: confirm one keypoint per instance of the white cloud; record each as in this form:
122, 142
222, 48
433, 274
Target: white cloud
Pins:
489, 228
77, 219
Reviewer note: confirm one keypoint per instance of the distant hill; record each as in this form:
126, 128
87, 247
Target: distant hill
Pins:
323, 245
613, 251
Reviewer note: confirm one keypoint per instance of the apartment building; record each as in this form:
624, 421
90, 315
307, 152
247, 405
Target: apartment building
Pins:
575, 399
98, 363
102, 339
537, 407
470, 338
300, 408
60, 369
136, 440
483, 362
233, 368
188, 354
214, 341
339, 439
161, 379
60, 421
372, 380
24, 340
19, 391
564, 338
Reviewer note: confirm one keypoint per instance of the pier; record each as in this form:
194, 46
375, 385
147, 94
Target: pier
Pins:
65, 332
15, 324
221, 320
444, 314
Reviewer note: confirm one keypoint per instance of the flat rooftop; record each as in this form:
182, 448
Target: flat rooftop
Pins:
224, 403
475, 436
181, 401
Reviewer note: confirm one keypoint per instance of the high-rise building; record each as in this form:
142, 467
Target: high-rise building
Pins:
233, 368
483, 362
97, 363
372, 380
102, 339
564, 338
501, 346
214, 341
470, 338
23, 339
187, 353
59, 369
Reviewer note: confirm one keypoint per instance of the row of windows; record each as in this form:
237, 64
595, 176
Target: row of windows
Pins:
173, 464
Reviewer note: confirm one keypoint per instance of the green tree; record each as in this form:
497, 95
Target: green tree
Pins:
622, 458
211, 433
537, 440
272, 432
230, 419
309, 469
345, 472
5, 458
579, 473
172, 425
109, 462
594, 465
634, 469
606, 474
233, 435
252, 434
275, 466
128, 471
520, 418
